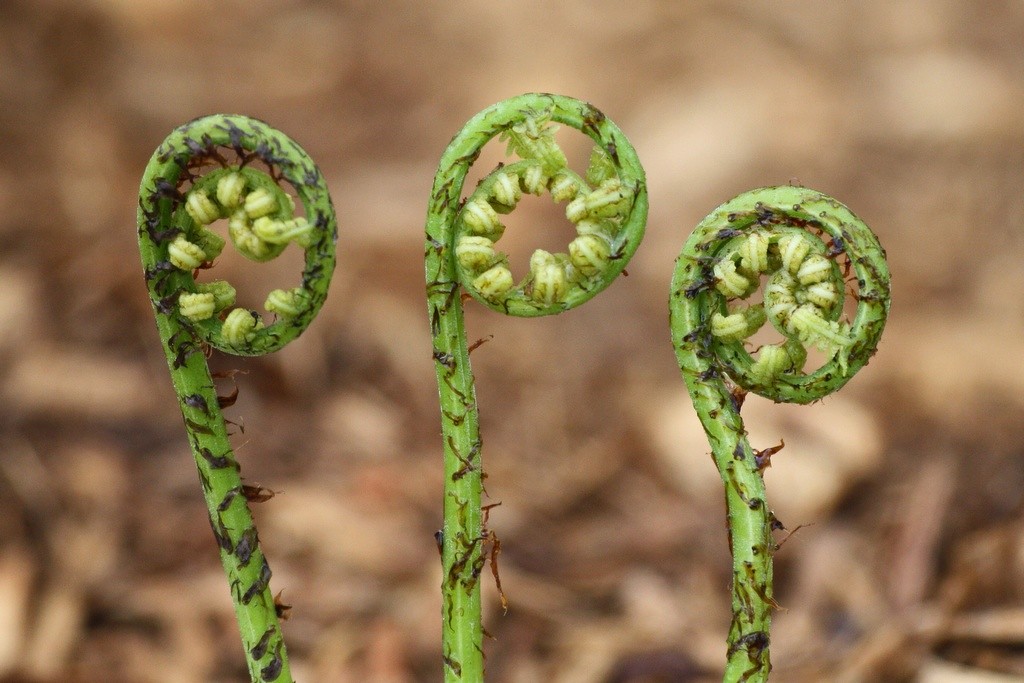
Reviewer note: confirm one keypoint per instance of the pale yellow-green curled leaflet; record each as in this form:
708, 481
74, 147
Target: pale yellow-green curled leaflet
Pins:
808, 249
607, 205
243, 173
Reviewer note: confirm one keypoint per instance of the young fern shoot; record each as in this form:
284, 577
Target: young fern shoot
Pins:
233, 168
778, 233
608, 206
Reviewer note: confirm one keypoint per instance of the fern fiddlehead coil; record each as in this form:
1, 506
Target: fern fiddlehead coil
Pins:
243, 171
608, 206
801, 243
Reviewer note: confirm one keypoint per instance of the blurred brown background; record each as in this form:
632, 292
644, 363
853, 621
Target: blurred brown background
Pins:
614, 554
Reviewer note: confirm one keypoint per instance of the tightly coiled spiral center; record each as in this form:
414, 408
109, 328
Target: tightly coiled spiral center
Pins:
181, 200
607, 205
802, 244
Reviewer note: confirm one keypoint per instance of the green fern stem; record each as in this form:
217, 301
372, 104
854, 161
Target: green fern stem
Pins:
608, 206
241, 170
801, 243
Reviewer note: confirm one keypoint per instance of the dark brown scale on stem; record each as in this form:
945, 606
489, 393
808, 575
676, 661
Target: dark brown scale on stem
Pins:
738, 452
158, 273
236, 136
754, 643
259, 585
257, 494
457, 392
746, 603
451, 663
613, 151
228, 400
703, 284
198, 428
281, 609
260, 648
221, 534
197, 402
183, 352
167, 305
479, 342
737, 395
162, 189
272, 671
456, 420
246, 546
216, 461
161, 236
763, 458
711, 373
467, 462
593, 118
445, 359
490, 538
229, 498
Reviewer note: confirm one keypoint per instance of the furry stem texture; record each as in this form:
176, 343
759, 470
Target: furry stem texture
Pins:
608, 207
233, 168
776, 233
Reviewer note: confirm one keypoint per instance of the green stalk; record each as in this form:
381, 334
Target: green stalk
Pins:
204, 171
779, 233
608, 207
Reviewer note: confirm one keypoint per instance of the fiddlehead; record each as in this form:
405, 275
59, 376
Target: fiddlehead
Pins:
802, 243
608, 207
241, 170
